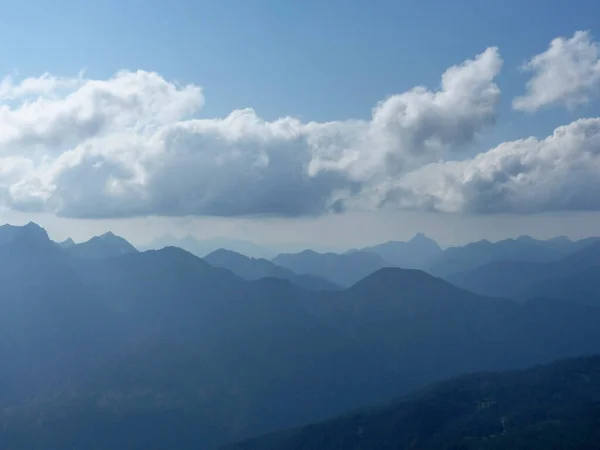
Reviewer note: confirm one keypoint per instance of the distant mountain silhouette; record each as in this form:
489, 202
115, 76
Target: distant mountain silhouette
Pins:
552, 406
502, 278
582, 286
67, 243
47, 316
576, 276
418, 253
146, 349
103, 246
345, 269
202, 247
587, 255
257, 268
28, 234
455, 260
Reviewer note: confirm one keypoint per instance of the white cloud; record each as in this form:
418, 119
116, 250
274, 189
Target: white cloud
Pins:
568, 73
561, 172
130, 101
45, 85
128, 147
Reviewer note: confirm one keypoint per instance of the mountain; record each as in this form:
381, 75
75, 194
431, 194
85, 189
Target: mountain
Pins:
67, 243
144, 349
576, 276
455, 260
47, 316
30, 233
588, 255
202, 247
552, 406
182, 340
257, 268
502, 278
418, 253
344, 269
583, 286
103, 246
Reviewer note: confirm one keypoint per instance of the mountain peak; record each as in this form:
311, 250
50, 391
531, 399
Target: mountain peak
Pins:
29, 236
32, 225
223, 254
109, 238
33, 229
103, 246
306, 252
188, 240
525, 238
395, 277
423, 239
417, 253
29, 229
408, 289
561, 239
67, 243
343, 270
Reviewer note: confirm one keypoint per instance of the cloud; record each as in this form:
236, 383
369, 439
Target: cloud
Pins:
568, 73
128, 102
45, 85
130, 146
560, 172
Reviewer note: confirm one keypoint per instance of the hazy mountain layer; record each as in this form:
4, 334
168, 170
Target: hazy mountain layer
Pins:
147, 349
553, 406
256, 268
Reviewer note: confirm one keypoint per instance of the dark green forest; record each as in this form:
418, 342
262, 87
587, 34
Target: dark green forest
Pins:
555, 406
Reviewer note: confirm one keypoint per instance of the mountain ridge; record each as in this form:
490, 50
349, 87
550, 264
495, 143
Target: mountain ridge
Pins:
342, 269
522, 280
417, 253
103, 246
161, 341
256, 268
547, 405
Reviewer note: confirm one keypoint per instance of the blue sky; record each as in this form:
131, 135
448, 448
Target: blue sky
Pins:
313, 60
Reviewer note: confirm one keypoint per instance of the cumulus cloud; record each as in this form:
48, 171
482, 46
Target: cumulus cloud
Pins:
44, 85
560, 172
130, 146
568, 73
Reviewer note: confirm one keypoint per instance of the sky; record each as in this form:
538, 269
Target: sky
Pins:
343, 123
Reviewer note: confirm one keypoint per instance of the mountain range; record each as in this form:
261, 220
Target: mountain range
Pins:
256, 268
552, 406
574, 276
103, 246
342, 269
420, 252
140, 350
460, 259
202, 247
